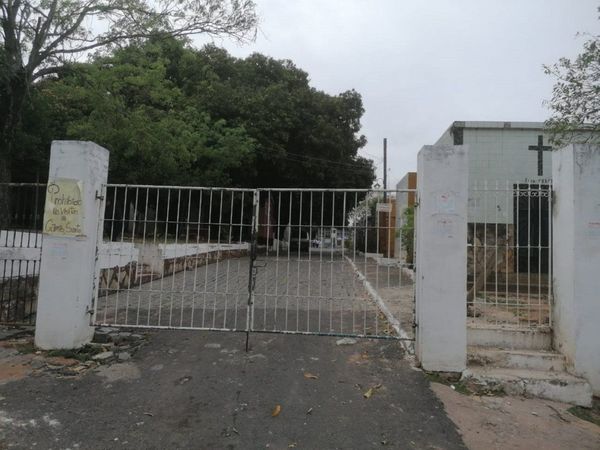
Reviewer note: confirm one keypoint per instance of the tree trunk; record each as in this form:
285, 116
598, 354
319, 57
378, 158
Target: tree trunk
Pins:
4, 192
13, 100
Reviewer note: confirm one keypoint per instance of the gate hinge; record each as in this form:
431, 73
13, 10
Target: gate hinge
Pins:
99, 196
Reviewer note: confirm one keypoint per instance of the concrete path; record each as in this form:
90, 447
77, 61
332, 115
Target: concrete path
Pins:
306, 294
200, 390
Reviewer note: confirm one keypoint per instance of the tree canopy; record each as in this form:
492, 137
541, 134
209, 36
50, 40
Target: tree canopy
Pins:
38, 38
575, 103
171, 114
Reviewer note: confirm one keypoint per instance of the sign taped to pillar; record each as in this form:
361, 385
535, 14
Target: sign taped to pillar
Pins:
63, 211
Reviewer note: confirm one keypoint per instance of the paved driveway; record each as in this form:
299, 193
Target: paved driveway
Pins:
306, 293
200, 390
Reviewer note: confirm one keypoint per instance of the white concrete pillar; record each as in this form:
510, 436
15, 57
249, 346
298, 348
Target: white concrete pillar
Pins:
441, 291
68, 267
576, 259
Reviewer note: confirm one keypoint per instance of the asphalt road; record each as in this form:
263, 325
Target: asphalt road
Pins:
200, 390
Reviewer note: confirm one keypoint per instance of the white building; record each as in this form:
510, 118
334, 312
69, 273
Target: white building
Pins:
506, 159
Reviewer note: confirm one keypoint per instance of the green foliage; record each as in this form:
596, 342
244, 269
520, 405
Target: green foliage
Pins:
41, 38
575, 103
407, 232
590, 414
365, 218
170, 114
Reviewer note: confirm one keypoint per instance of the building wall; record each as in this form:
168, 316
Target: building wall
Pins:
499, 158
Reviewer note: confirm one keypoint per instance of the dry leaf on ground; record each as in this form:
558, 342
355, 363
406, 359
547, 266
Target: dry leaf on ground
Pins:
371, 390
310, 376
276, 411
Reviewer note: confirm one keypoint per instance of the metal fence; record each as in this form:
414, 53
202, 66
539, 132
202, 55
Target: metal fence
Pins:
510, 254
20, 250
270, 260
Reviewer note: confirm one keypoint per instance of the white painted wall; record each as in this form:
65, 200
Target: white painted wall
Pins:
113, 254
110, 254
13, 238
68, 266
576, 259
441, 341
20, 253
499, 157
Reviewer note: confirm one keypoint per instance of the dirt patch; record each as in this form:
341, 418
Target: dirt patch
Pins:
358, 358
516, 423
119, 372
20, 358
14, 368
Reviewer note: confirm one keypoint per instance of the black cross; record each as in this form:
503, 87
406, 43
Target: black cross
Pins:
540, 148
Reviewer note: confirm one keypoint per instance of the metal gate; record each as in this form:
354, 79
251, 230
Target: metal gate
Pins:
320, 261
20, 251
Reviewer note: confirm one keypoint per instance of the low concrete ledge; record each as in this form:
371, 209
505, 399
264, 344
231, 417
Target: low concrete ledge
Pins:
509, 337
558, 386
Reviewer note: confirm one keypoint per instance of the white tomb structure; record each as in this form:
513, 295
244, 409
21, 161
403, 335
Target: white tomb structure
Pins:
503, 156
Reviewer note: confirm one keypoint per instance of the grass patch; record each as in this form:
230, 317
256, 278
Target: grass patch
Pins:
590, 414
467, 387
81, 354
449, 380
25, 347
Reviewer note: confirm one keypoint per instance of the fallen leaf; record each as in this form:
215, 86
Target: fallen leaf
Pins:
371, 390
292, 445
310, 376
276, 411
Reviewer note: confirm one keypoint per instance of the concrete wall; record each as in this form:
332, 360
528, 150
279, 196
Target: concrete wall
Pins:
68, 266
499, 157
146, 268
441, 341
576, 259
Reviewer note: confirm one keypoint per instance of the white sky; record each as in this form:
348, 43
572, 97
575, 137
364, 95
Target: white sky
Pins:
420, 65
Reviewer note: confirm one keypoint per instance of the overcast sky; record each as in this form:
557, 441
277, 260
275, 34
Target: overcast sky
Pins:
420, 65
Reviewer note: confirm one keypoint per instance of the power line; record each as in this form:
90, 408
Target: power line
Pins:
352, 164
353, 169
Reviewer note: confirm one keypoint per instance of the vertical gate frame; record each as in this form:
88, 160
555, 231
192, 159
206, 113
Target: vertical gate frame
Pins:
251, 268
101, 196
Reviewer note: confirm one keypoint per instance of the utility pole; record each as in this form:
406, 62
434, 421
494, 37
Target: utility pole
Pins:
384, 170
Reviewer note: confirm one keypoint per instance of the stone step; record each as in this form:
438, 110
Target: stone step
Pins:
508, 336
558, 386
516, 359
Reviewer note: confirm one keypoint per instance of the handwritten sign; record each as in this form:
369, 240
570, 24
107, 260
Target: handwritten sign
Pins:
63, 212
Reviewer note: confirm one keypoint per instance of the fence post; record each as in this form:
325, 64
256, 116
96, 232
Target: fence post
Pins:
68, 267
576, 258
441, 291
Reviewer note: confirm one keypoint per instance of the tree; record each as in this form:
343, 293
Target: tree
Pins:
39, 38
170, 113
127, 103
575, 103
